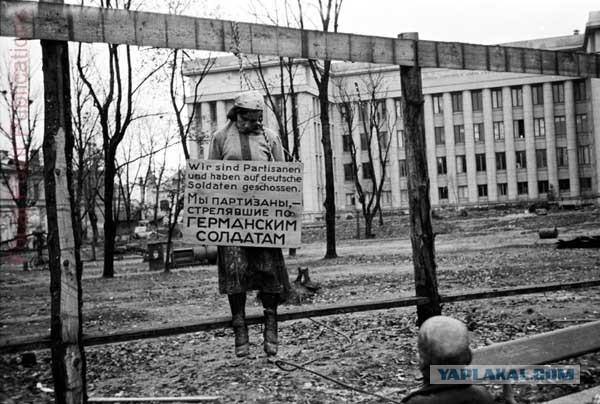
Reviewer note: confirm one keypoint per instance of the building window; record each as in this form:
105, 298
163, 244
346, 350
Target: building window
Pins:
543, 187
522, 188
580, 90
477, 100
502, 189
521, 159
540, 158
562, 159
346, 142
581, 126
463, 192
367, 171
461, 164
500, 161
482, 190
457, 102
398, 105
558, 93
350, 200
498, 130
403, 197
480, 161
564, 185
519, 128
516, 94
478, 132
537, 94
439, 135
585, 184
386, 196
212, 107
348, 172
441, 165
539, 127
400, 138
443, 192
497, 98
584, 155
560, 126
438, 104
364, 141
402, 166
459, 134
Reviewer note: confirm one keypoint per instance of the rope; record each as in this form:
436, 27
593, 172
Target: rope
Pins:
235, 46
291, 366
279, 362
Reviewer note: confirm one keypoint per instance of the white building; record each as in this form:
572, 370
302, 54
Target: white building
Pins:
491, 137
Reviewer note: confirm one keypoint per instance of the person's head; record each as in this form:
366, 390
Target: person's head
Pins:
247, 111
443, 341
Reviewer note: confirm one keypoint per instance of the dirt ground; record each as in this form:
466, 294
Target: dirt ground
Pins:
374, 351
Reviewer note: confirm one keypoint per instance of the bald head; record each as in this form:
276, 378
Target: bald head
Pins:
444, 341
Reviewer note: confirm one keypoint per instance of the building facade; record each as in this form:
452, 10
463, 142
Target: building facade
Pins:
490, 137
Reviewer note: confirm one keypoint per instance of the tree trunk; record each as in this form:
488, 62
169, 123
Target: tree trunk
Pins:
68, 358
329, 172
110, 226
422, 238
369, 226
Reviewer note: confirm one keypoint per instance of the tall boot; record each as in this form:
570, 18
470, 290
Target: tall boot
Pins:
237, 303
269, 302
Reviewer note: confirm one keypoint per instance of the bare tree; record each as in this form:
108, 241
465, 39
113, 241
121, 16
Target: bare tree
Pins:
115, 105
23, 110
329, 12
364, 113
87, 170
176, 201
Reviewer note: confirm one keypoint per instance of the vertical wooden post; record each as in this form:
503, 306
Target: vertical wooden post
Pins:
68, 360
421, 232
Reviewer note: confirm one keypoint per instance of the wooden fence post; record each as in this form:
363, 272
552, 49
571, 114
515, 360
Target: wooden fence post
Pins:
68, 359
421, 232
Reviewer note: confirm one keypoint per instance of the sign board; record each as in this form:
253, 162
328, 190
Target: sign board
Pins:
243, 203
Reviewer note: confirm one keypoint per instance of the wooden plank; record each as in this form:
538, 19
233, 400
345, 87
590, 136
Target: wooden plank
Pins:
118, 27
543, 348
180, 32
83, 24
584, 396
421, 229
150, 29
34, 342
17, 19
63, 246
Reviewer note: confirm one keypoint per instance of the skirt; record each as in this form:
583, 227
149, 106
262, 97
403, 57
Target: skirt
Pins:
252, 268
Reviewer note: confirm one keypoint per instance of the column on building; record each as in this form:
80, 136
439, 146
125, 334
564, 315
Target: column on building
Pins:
530, 154
430, 151
594, 123
221, 114
450, 148
571, 139
550, 137
393, 169
509, 144
490, 154
308, 154
469, 146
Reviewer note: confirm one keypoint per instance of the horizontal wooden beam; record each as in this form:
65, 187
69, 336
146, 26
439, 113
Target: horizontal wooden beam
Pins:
63, 22
552, 346
34, 342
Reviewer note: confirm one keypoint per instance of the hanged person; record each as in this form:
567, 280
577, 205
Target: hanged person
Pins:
242, 269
